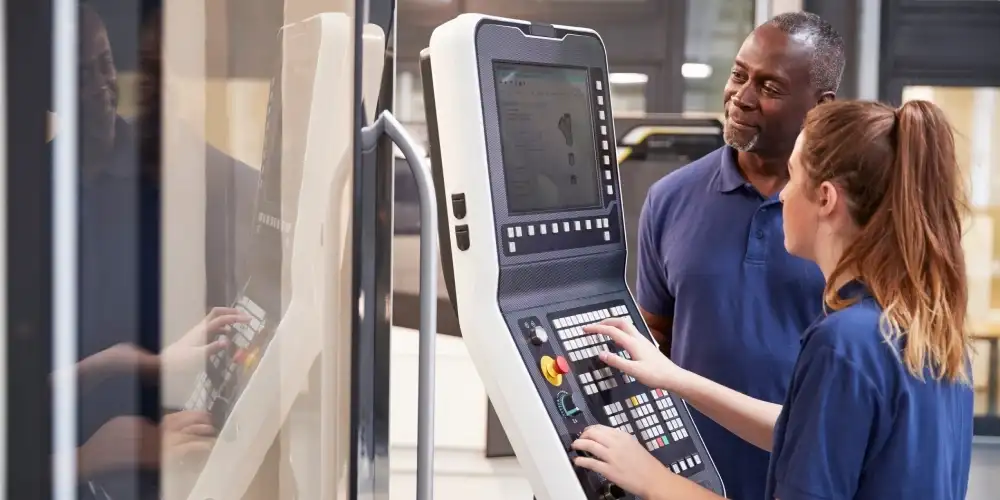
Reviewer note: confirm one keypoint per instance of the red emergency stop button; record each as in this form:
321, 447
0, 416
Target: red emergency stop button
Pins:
561, 366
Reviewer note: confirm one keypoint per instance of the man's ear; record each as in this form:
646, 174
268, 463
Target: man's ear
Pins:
826, 97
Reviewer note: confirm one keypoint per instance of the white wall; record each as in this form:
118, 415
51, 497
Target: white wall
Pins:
462, 470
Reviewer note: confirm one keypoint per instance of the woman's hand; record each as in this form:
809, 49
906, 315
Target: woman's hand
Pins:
619, 457
190, 351
648, 365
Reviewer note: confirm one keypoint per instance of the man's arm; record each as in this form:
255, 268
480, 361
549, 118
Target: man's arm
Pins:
652, 292
661, 328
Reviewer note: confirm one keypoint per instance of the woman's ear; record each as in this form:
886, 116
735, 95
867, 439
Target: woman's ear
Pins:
827, 197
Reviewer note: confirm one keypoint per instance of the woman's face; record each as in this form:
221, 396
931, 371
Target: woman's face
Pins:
800, 210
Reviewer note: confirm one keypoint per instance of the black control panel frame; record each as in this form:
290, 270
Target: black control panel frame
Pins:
526, 235
567, 270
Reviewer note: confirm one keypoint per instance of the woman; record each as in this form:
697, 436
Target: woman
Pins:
880, 402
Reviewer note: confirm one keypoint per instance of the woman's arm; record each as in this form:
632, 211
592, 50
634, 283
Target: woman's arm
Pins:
750, 419
115, 360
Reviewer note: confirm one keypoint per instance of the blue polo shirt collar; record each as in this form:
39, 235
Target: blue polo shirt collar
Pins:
854, 289
728, 178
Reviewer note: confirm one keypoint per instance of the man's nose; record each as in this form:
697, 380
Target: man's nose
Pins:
746, 96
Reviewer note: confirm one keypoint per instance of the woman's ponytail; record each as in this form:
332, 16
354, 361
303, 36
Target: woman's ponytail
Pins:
904, 190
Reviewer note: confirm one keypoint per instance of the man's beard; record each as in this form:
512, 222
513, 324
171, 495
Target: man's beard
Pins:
734, 141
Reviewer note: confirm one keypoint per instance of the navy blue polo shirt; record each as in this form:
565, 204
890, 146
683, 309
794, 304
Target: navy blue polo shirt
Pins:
712, 257
857, 425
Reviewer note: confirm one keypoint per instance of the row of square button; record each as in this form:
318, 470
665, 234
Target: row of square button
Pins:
670, 413
588, 317
663, 404
675, 424
677, 430
626, 427
598, 374
685, 463
575, 332
589, 352
652, 432
655, 444
643, 410
648, 421
581, 342
554, 227
516, 232
605, 146
612, 408
637, 400
618, 419
603, 385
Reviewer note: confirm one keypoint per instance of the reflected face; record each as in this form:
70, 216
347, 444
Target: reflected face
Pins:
768, 93
98, 80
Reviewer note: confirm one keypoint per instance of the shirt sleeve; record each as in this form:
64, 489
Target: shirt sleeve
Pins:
651, 287
832, 412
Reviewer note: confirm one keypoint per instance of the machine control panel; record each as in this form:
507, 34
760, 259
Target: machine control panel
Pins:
533, 249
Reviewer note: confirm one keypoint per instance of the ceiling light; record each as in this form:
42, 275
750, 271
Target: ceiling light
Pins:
627, 78
696, 70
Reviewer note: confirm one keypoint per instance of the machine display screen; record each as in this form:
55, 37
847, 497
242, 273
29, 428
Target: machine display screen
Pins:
547, 137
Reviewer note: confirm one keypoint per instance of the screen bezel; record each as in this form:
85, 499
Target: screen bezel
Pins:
591, 121
507, 42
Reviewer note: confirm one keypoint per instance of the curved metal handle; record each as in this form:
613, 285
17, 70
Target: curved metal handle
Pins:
387, 123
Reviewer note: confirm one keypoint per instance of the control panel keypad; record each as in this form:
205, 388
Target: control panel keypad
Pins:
649, 416
580, 345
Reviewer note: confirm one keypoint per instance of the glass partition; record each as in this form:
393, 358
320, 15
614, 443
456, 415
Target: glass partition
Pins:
199, 331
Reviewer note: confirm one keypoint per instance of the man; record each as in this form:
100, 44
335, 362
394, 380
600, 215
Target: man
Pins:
715, 285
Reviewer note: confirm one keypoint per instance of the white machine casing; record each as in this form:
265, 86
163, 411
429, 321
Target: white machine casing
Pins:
508, 384
318, 317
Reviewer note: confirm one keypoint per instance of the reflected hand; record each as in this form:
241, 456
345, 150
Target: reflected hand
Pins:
619, 457
648, 365
190, 351
187, 434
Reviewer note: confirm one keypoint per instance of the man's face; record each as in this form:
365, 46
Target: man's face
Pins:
98, 81
768, 93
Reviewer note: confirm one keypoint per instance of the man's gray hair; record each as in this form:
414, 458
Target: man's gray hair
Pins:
828, 53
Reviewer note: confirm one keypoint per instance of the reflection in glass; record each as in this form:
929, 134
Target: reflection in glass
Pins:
208, 381
975, 115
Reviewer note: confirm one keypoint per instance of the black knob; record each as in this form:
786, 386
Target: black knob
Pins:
612, 491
